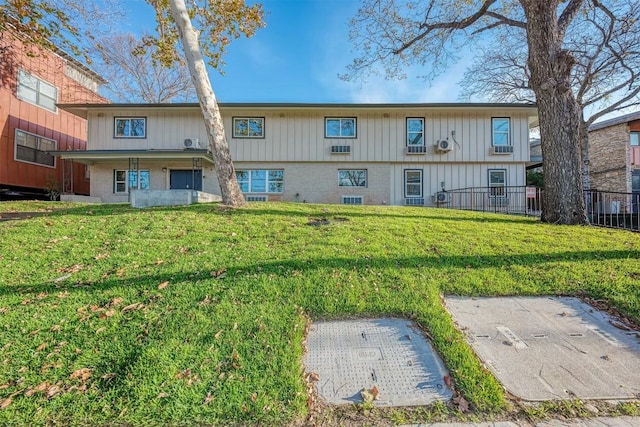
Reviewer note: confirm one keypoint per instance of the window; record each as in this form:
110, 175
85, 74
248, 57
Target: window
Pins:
336, 127
497, 182
124, 180
32, 148
412, 183
261, 181
352, 200
500, 133
248, 127
37, 91
130, 127
352, 178
635, 139
415, 132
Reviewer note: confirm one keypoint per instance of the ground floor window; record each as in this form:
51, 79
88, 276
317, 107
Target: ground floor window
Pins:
412, 183
261, 180
32, 148
124, 180
352, 178
497, 182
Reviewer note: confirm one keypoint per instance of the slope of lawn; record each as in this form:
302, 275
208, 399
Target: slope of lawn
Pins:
196, 315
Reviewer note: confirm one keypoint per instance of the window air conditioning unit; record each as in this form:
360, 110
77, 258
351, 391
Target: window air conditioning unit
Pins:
191, 143
443, 145
340, 149
502, 149
441, 197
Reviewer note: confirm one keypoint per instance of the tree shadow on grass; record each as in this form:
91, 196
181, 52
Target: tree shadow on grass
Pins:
284, 268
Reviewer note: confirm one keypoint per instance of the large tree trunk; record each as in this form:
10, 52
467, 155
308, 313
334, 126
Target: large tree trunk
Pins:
559, 114
231, 194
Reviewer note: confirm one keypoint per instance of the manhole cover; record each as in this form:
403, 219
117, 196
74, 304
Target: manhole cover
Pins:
390, 354
551, 348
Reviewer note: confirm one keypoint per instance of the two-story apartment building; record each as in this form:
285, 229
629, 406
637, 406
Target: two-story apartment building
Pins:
398, 154
614, 154
32, 81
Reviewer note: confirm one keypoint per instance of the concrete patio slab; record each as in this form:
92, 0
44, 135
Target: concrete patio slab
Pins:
390, 354
551, 348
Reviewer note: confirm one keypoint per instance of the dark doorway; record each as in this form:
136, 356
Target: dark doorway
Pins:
185, 179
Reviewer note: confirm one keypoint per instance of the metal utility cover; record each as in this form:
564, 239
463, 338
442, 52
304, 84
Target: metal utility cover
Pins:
551, 348
390, 354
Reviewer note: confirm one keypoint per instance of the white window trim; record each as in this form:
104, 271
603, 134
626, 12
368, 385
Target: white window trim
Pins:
267, 182
115, 127
355, 128
235, 135
504, 185
126, 181
406, 195
38, 92
366, 178
634, 132
508, 132
15, 149
407, 131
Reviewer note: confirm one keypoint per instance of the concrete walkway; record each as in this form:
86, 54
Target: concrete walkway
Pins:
589, 422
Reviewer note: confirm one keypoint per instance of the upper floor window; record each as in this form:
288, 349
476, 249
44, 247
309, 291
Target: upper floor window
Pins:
248, 127
261, 181
130, 127
352, 178
37, 91
34, 149
635, 139
500, 131
336, 127
497, 182
415, 132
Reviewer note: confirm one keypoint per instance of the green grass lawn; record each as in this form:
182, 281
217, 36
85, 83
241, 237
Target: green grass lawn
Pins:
196, 315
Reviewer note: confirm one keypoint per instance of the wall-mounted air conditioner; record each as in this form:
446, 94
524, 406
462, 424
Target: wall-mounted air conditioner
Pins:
441, 197
191, 143
443, 145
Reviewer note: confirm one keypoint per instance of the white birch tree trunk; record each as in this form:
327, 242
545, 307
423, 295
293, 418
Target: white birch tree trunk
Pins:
231, 194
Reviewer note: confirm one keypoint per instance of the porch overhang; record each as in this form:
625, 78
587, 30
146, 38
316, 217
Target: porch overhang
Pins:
90, 157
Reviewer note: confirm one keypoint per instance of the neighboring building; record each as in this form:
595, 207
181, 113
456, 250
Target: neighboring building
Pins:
614, 154
32, 125
316, 153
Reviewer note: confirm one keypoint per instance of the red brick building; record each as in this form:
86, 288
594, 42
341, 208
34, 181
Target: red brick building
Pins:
31, 84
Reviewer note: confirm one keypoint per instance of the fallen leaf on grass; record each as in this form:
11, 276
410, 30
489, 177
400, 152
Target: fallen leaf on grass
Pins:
134, 306
162, 395
109, 376
82, 374
205, 301
55, 328
102, 256
218, 334
254, 396
208, 399
461, 403
5, 402
108, 313
219, 274
313, 376
42, 346
38, 389
99, 330
53, 390
163, 285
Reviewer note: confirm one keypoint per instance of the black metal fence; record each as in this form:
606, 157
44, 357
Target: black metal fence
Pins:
507, 200
605, 209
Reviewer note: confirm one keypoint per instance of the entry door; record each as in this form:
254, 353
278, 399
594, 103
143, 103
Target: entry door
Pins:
635, 189
185, 179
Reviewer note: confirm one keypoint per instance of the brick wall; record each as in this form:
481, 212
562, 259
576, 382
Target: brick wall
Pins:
609, 157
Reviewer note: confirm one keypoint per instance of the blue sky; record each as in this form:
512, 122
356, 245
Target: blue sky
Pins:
298, 56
